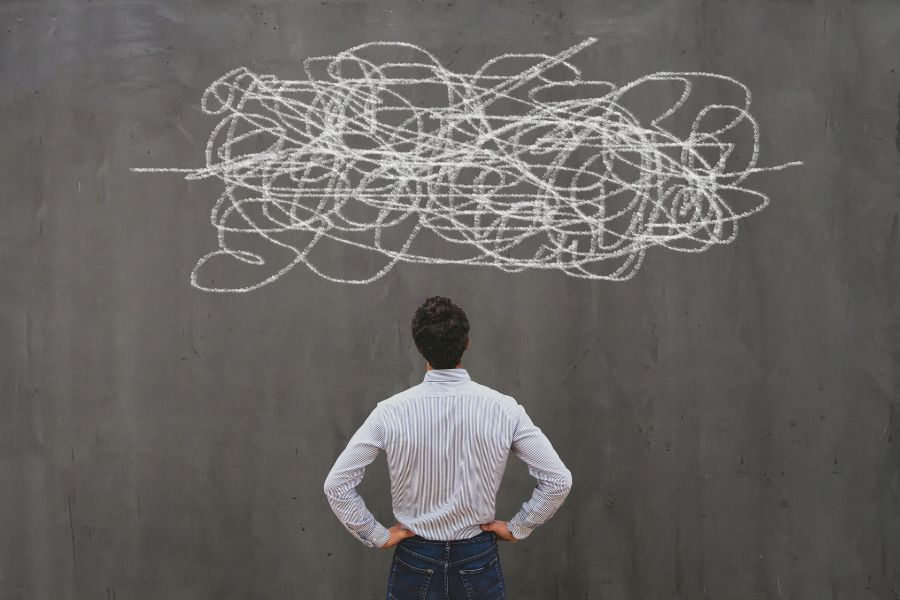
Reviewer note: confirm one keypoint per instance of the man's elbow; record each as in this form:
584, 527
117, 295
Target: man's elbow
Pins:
557, 486
568, 479
564, 484
331, 487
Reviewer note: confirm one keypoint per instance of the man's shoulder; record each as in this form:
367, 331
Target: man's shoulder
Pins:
489, 392
472, 388
393, 400
402, 395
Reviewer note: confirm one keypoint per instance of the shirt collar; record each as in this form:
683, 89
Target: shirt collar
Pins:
447, 375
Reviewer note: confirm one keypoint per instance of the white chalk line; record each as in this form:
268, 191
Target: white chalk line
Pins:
578, 185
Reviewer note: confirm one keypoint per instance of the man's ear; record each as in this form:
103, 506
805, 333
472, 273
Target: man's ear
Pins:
467, 342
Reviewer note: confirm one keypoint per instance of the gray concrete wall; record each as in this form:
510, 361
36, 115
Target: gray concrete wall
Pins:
730, 418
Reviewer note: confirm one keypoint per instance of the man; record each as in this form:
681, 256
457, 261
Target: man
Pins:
447, 440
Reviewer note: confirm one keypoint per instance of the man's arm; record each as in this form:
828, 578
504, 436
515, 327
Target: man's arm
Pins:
554, 479
347, 473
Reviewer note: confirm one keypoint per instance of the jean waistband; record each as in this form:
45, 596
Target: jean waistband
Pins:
481, 537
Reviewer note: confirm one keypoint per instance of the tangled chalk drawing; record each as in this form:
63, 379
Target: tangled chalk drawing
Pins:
383, 155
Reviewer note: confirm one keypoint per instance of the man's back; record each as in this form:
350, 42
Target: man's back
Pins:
447, 441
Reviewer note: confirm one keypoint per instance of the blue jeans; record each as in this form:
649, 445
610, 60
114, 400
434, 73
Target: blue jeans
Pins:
449, 570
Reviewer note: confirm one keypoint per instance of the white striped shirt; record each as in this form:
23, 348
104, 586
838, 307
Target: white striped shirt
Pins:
447, 441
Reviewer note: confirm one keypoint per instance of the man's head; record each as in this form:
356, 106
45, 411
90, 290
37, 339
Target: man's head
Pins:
441, 332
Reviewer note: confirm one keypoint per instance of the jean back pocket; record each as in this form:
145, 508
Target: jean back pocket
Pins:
408, 582
484, 582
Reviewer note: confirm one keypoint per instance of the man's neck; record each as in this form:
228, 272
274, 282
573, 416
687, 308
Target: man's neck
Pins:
430, 368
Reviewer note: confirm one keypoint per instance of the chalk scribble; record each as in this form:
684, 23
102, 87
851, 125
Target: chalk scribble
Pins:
522, 164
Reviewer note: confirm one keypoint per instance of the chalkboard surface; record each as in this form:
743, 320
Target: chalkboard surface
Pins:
673, 225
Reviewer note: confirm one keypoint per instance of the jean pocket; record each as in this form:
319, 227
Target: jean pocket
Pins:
408, 582
484, 582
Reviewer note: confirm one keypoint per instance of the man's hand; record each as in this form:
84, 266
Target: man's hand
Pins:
500, 528
398, 533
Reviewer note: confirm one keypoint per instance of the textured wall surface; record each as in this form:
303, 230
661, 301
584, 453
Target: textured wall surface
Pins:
730, 418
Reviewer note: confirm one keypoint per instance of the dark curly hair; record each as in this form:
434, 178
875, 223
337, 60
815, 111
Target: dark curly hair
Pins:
440, 330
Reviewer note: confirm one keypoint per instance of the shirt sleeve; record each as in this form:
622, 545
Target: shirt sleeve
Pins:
347, 473
554, 480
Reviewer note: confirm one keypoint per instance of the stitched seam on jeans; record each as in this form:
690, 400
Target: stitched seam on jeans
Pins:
391, 580
419, 556
470, 540
426, 585
447, 572
479, 570
467, 586
416, 569
474, 556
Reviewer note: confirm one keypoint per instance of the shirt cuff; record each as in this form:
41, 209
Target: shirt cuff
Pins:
518, 530
380, 537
